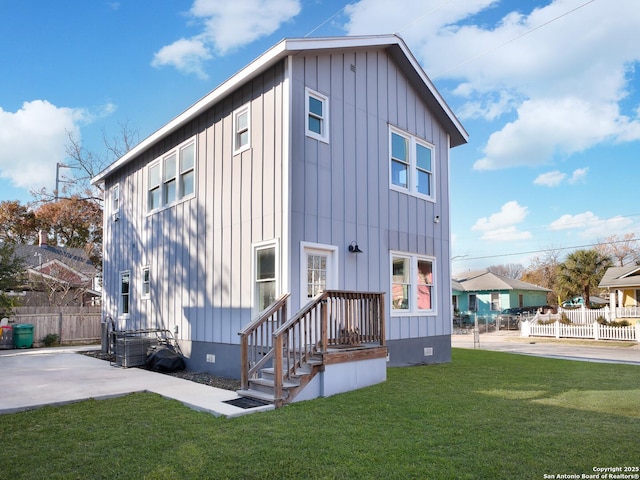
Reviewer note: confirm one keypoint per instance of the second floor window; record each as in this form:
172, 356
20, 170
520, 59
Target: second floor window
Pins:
241, 130
411, 164
317, 114
172, 178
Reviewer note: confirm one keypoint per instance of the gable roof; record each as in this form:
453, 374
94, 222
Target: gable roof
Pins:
484, 280
35, 256
396, 47
627, 276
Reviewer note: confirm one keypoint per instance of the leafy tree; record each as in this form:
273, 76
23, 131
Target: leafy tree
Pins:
18, 224
511, 270
542, 271
581, 273
75, 223
11, 269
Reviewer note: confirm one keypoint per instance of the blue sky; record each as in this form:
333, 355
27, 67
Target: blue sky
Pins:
547, 90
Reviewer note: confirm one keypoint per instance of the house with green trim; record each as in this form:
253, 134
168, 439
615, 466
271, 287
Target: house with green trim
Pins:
485, 293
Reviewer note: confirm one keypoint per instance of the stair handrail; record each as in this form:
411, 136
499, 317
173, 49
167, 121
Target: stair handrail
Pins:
278, 308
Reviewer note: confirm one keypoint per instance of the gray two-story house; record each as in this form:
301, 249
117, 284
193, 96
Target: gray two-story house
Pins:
323, 165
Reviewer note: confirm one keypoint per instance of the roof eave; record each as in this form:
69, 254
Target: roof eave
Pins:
286, 47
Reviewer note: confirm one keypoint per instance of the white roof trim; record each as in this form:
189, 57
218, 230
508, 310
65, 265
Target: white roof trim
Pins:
274, 54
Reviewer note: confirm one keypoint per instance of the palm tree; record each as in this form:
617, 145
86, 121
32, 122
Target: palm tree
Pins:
582, 271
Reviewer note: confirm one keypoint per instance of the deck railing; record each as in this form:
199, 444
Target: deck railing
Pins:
333, 319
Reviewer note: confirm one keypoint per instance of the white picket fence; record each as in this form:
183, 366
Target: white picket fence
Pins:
593, 331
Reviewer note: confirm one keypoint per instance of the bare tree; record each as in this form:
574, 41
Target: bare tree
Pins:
511, 270
623, 250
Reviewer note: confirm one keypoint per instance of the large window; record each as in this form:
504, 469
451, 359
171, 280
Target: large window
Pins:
412, 288
411, 164
172, 178
266, 271
241, 130
125, 293
317, 114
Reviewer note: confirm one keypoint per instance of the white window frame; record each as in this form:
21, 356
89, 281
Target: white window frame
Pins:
176, 176
323, 136
145, 283
413, 309
115, 202
495, 304
237, 132
121, 295
412, 165
255, 248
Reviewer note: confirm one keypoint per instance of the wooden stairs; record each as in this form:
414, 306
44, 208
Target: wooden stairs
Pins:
263, 388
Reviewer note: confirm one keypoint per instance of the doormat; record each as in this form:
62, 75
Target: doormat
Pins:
246, 402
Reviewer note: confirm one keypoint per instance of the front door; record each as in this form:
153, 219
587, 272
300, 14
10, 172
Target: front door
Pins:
318, 264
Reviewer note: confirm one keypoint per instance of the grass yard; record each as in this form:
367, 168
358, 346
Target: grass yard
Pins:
486, 415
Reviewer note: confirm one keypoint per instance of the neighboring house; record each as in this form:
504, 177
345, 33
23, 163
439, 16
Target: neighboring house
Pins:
57, 276
623, 284
322, 165
484, 293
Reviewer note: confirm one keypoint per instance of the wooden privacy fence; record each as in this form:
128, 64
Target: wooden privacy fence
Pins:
73, 325
593, 331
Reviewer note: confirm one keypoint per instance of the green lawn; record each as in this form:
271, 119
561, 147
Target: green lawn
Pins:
485, 415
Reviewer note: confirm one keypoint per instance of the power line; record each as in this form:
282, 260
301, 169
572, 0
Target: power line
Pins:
512, 40
543, 250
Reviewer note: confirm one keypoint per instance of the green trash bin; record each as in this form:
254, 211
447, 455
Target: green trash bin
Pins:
23, 335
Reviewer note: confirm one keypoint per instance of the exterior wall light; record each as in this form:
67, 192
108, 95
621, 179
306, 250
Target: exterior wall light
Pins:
354, 248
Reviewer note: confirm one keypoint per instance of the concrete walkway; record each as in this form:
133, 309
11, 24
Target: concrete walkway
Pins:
35, 378
55, 376
511, 342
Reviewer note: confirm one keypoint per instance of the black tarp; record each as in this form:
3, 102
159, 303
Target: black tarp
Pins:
165, 359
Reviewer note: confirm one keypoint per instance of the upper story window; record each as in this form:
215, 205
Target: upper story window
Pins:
241, 130
115, 202
411, 164
317, 113
172, 177
412, 287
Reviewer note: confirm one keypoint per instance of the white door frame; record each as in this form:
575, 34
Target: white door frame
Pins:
332, 253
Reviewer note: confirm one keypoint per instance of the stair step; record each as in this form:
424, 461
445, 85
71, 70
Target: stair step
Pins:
265, 382
265, 397
269, 372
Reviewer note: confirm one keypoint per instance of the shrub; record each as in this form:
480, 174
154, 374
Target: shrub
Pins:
51, 339
564, 319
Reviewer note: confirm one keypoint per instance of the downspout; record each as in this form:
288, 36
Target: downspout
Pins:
287, 120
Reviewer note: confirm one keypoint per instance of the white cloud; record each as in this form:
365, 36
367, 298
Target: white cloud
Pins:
579, 175
225, 27
590, 226
34, 139
187, 56
556, 177
562, 95
501, 226
550, 179
578, 221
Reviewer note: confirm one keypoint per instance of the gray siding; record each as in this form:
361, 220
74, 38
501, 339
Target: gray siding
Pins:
340, 190
199, 251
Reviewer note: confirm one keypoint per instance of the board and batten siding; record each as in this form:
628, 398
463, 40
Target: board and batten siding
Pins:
200, 250
340, 189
